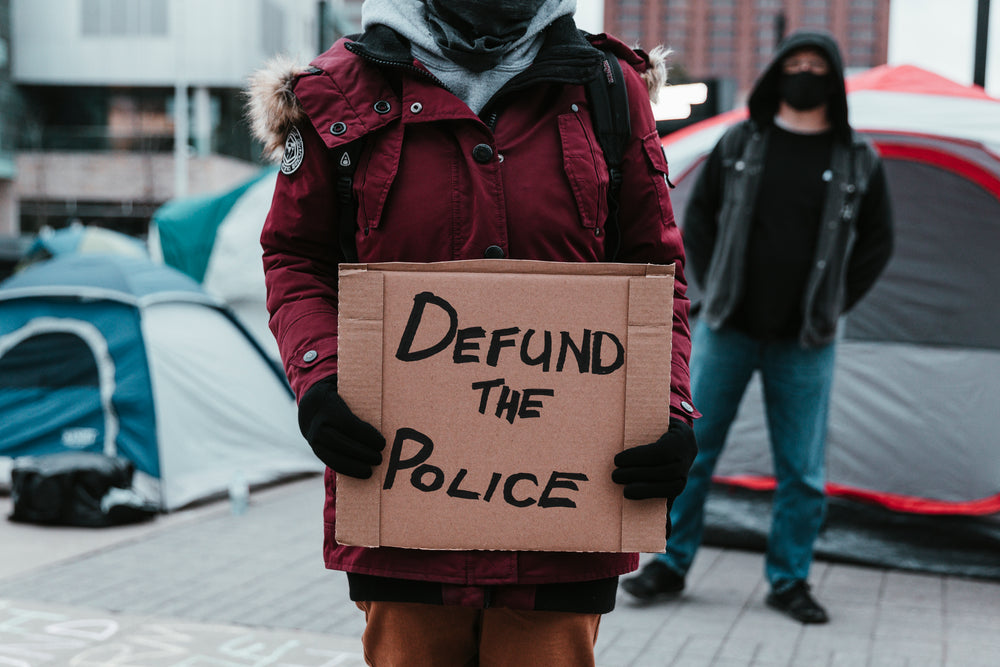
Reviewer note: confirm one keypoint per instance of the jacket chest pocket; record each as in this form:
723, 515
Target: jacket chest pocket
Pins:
377, 167
585, 169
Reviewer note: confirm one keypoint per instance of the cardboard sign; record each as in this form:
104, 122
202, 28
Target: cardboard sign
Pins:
504, 388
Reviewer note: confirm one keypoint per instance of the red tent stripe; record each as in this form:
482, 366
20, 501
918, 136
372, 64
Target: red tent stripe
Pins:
938, 158
913, 80
892, 501
724, 118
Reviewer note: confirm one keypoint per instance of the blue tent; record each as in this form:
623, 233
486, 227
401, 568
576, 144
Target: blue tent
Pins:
83, 239
122, 356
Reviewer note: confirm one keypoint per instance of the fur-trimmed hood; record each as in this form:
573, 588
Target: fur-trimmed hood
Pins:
273, 109
657, 71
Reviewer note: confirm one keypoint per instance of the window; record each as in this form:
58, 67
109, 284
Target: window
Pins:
815, 18
124, 18
631, 14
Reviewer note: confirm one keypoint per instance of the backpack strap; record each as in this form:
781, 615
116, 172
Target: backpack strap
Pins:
347, 206
609, 110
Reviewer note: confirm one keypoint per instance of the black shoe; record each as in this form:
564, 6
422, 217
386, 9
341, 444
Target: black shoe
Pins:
653, 580
798, 603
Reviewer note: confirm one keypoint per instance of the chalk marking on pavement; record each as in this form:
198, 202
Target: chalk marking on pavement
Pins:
33, 636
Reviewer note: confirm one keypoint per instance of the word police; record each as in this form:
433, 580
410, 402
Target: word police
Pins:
518, 489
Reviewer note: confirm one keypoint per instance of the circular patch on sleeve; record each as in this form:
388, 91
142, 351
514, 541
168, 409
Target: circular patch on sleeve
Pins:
294, 151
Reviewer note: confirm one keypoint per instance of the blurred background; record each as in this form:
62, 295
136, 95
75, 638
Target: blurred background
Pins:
90, 90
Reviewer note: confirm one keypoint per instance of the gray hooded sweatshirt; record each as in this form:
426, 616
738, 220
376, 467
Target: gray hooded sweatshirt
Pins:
409, 19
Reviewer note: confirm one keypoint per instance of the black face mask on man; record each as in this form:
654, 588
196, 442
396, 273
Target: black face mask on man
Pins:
475, 33
804, 90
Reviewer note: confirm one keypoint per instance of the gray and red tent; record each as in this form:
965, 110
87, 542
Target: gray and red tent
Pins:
915, 417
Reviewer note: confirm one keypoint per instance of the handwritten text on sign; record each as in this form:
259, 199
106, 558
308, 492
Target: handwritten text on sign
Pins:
582, 354
502, 395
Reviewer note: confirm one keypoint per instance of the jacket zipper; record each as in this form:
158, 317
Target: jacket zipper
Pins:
519, 81
490, 121
400, 64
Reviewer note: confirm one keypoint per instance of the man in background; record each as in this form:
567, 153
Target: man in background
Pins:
787, 228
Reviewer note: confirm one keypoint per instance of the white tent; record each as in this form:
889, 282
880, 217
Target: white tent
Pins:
215, 239
235, 271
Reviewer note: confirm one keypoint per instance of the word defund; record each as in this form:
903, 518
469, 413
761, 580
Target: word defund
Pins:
587, 350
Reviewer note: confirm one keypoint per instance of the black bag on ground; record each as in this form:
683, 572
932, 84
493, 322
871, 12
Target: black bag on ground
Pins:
76, 489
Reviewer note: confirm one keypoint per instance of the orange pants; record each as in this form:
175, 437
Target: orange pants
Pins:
399, 634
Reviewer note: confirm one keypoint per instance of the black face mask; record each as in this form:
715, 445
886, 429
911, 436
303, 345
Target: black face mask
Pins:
804, 90
477, 33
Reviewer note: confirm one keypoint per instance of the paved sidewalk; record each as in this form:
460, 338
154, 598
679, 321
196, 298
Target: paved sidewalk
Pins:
204, 588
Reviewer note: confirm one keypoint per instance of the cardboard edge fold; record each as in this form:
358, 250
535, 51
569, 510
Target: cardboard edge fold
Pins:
650, 307
360, 371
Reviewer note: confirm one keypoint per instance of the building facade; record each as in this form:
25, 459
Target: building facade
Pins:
89, 122
120, 105
734, 40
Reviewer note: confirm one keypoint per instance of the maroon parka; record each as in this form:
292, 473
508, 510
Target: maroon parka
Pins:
434, 182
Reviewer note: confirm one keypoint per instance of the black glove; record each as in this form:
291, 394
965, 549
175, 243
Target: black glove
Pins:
337, 436
659, 469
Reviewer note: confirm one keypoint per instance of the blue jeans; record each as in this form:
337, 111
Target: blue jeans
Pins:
797, 383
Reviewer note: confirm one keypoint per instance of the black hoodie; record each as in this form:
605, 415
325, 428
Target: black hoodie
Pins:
855, 243
764, 98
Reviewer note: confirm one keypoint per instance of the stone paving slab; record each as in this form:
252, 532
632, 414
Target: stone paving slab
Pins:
53, 635
218, 589
878, 617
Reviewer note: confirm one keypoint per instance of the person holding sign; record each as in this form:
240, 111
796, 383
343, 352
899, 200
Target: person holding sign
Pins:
788, 226
450, 130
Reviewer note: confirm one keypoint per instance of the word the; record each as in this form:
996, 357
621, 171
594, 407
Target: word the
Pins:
510, 400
